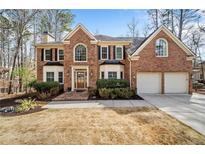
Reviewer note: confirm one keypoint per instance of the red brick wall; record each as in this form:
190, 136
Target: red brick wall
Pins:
148, 62
92, 60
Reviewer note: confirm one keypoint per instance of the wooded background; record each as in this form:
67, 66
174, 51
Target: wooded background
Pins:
20, 30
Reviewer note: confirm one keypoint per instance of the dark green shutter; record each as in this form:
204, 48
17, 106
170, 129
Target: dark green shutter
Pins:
113, 52
99, 52
51, 55
124, 52
42, 54
56, 54
108, 52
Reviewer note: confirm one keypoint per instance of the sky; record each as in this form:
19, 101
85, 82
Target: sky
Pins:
109, 22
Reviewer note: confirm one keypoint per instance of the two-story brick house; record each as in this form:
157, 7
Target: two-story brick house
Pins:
160, 63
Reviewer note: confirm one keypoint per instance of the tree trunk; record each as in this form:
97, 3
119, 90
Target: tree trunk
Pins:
180, 24
156, 19
172, 20
14, 65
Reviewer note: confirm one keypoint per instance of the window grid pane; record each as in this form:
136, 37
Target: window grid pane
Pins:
104, 53
161, 48
49, 76
112, 75
60, 77
80, 53
119, 53
61, 55
47, 54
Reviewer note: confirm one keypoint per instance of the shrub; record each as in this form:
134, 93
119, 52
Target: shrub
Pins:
43, 87
112, 83
116, 93
197, 85
26, 105
92, 91
104, 92
43, 96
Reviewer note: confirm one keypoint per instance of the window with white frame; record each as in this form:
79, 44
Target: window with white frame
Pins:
104, 53
119, 52
161, 48
48, 54
80, 53
112, 75
60, 54
102, 75
49, 76
121, 75
60, 77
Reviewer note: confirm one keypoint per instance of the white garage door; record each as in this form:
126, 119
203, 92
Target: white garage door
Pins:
149, 83
176, 83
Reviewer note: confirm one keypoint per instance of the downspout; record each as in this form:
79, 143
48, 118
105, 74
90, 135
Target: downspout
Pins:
130, 71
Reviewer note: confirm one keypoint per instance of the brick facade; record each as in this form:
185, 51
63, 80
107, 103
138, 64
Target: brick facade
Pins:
147, 62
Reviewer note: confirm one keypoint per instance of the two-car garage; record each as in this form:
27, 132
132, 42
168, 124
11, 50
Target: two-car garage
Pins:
171, 82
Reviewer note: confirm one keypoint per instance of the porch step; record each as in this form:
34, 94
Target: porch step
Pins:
72, 96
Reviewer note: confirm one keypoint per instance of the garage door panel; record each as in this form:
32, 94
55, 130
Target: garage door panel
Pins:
176, 83
149, 83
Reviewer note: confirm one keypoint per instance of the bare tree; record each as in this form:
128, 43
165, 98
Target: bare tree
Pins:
132, 27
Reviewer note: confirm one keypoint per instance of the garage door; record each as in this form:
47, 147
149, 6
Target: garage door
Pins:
176, 83
149, 83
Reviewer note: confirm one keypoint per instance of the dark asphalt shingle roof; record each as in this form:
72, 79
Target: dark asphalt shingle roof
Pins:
53, 63
110, 38
112, 62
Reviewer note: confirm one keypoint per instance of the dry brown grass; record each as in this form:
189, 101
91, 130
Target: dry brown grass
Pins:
97, 126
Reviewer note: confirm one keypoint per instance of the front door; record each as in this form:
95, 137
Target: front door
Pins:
80, 79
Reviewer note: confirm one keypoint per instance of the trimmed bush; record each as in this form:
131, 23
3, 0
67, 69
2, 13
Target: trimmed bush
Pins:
44, 87
114, 93
112, 83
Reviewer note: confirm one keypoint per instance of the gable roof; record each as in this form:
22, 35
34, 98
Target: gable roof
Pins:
110, 38
169, 33
79, 26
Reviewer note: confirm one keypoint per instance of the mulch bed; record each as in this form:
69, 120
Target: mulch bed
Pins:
136, 97
36, 109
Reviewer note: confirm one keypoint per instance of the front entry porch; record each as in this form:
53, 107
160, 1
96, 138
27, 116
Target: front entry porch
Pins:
80, 78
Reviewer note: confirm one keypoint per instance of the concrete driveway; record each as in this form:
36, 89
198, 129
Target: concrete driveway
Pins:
189, 109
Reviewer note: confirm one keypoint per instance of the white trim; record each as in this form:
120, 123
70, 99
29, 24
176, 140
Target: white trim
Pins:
74, 52
44, 53
58, 54
63, 77
79, 26
174, 38
72, 76
116, 52
101, 53
167, 48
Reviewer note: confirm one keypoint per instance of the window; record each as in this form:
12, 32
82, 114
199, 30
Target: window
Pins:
161, 48
60, 77
49, 76
104, 53
121, 75
80, 53
60, 54
119, 53
102, 75
112, 75
48, 54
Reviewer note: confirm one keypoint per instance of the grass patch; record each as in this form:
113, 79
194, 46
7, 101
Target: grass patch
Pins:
97, 126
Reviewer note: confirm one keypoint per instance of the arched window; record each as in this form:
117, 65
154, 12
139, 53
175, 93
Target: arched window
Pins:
161, 48
80, 53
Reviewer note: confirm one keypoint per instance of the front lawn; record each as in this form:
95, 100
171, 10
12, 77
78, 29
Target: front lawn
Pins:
97, 126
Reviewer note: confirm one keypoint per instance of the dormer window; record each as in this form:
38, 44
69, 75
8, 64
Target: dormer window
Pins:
161, 48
